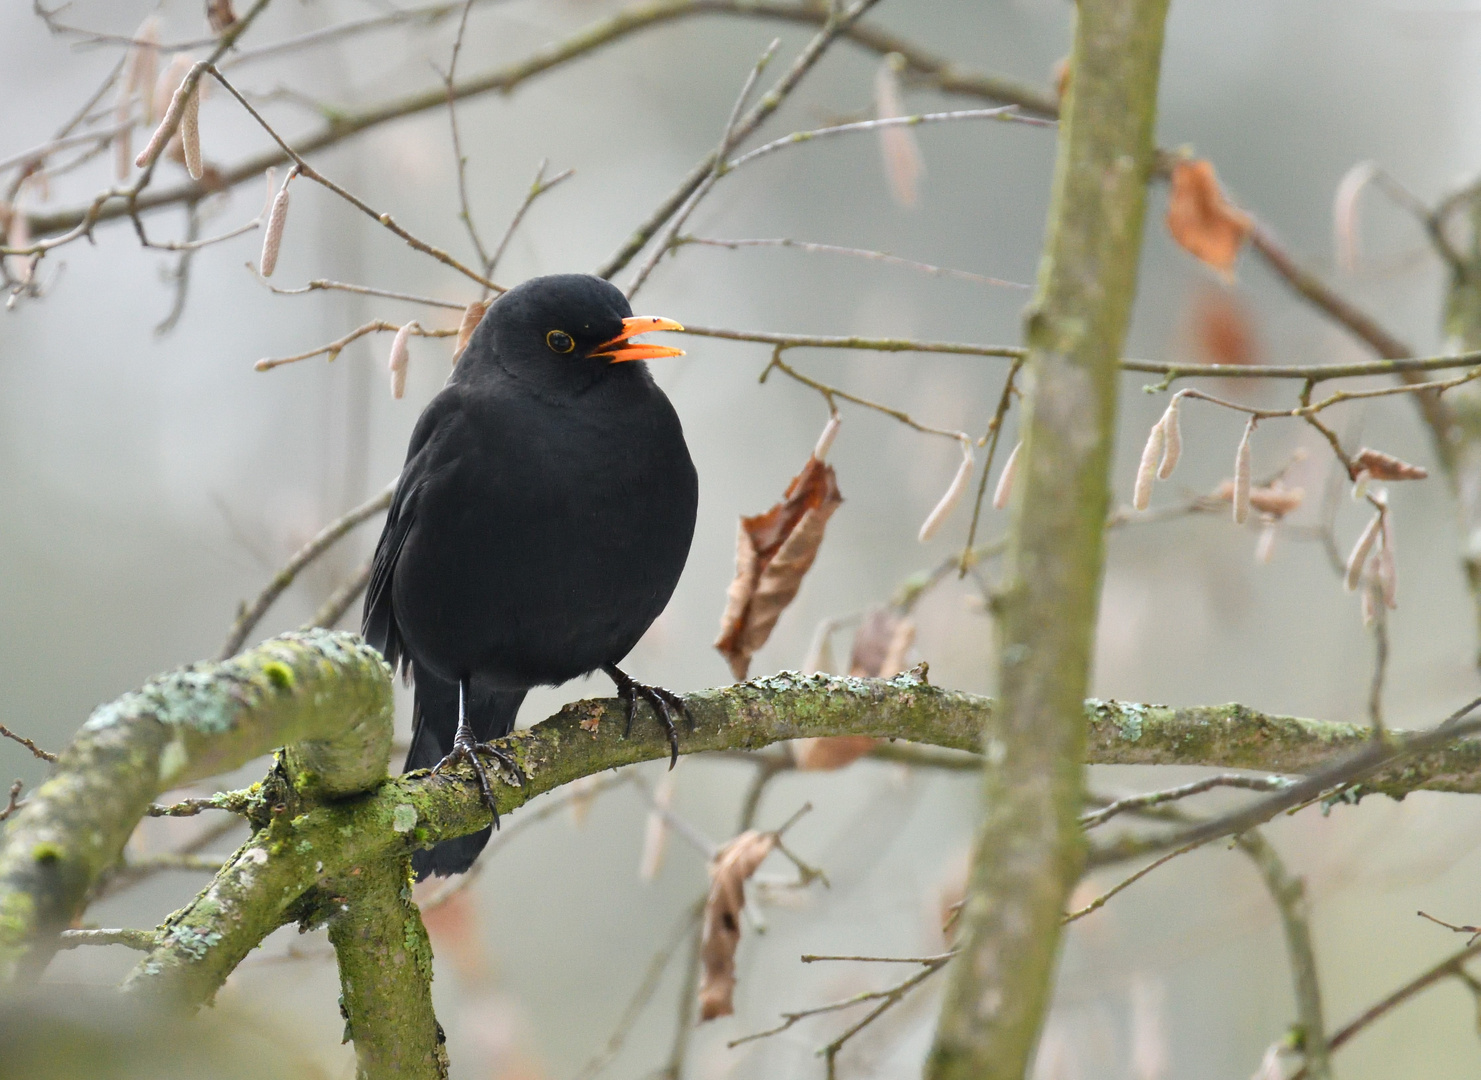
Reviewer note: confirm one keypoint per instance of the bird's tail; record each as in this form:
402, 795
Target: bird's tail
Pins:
491, 714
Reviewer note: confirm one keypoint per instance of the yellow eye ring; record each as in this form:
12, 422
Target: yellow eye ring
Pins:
559, 341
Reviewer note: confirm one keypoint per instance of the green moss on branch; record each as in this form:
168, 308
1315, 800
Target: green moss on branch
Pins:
329, 692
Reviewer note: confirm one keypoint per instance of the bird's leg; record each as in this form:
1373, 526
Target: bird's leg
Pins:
664, 703
467, 748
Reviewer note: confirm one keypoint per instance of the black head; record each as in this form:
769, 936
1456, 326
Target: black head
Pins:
562, 332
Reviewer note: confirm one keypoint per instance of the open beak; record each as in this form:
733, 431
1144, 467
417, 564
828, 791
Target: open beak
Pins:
618, 350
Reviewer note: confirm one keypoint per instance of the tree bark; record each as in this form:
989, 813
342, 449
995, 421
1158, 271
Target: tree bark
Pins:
1030, 850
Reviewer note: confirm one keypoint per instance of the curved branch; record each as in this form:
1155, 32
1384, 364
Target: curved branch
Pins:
921, 65
327, 537
327, 692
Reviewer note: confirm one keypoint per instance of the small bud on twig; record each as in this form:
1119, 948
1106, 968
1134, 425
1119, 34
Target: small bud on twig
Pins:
1360, 552
1242, 475
953, 495
1381, 466
825, 440
400, 356
1172, 438
472, 316
1146, 471
277, 218
1004, 491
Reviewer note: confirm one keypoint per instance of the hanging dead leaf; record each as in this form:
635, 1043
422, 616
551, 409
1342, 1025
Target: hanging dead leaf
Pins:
773, 552
880, 647
1201, 220
1222, 328
1059, 76
472, 316
1381, 466
1274, 501
731, 868
220, 15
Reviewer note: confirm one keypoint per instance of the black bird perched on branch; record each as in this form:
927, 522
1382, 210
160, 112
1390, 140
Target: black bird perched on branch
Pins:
540, 525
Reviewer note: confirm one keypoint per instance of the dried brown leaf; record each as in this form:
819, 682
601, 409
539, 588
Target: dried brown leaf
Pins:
880, 648
825, 440
1201, 220
732, 866
830, 752
220, 15
1223, 329
1172, 439
774, 551
1381, 466
472, 316
1274, 501
400, 357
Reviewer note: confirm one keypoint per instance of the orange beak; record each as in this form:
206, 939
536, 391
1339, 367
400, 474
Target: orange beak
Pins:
616, 351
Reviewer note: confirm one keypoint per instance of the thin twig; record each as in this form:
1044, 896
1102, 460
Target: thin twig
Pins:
1289, 895
308, 171
683, 932
1006, 113
141, 940
994, 434
14, 801
337, 603
1197, 787
318, 284
858, 253
539, 186
326, 538
728, 139
831, 392
836, 23
465, 210
44, 755
337, 346
1100, 901
1451, 966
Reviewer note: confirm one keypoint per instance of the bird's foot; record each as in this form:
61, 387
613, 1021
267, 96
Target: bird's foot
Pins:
466, 748
664, 703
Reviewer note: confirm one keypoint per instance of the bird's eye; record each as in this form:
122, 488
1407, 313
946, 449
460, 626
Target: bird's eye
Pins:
560, 341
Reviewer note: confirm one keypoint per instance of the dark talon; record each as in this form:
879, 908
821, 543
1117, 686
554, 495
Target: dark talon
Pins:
662, 701
466, 748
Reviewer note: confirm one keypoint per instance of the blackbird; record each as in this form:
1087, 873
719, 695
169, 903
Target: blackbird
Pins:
539, 526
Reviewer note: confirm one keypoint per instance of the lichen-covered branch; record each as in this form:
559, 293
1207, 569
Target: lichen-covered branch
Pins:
385, 973
328, 693
311, 839
1030, 849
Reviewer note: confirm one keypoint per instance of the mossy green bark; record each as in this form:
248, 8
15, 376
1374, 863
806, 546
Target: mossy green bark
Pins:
329, 692
385, 973
1029, 850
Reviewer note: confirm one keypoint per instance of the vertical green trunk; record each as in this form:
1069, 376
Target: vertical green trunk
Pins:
1029, 850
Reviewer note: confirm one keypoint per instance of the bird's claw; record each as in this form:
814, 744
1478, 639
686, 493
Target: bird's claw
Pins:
467, 749
664, 704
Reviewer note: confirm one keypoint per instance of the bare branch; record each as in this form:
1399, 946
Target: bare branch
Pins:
327, 537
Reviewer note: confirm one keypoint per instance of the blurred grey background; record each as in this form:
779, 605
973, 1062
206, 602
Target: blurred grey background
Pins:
150, 483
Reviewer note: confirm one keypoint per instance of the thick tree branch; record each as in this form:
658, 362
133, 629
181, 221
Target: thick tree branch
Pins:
1030, 848
327, 693
922, 65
